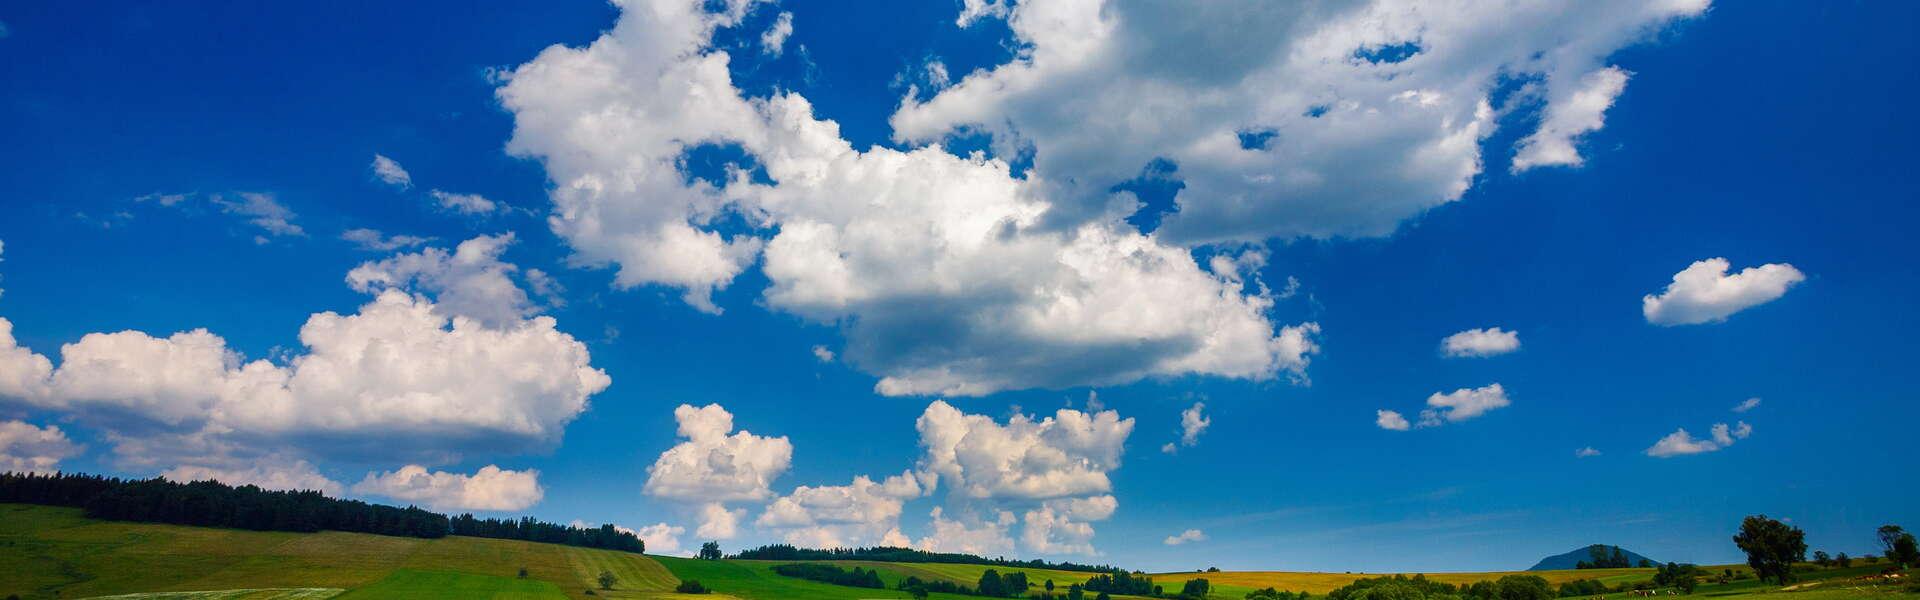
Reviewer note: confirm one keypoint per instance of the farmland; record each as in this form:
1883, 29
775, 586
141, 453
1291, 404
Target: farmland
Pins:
48, 552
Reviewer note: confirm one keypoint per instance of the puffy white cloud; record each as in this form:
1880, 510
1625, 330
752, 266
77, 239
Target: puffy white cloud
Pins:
822, 354
970, 536
372, 239
1056, 469
1462, 404
490, 488
661, 538
1190, 535
390, 172
1586, 452
399, 379
858, 514
1747, 405
1192, 423
1577, 110
466, 204
1480, 342
719, 522
1065, 525
774, 40
974, 10
26, 448
1068, 454
940, 269
471, 281
712, 466
1705, 293
1390, 420
1681, 443
1285, 119
273, 473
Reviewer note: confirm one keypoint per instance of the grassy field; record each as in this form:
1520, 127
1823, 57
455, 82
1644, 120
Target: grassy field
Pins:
48, 552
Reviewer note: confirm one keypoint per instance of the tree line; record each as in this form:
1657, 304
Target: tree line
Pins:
1598, 557
902, 555
215, 504
824, 573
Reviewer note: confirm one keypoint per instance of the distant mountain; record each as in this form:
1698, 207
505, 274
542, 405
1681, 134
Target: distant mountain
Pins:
1572, 558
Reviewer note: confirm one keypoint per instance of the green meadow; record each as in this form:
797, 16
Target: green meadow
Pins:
49, 552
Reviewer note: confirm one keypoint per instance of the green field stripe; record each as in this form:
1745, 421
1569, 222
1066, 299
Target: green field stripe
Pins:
636, 576
409, 584
244, 594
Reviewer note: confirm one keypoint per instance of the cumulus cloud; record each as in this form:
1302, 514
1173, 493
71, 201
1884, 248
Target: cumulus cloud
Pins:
712, 468
471, 281
1747, 405
1360, 115
273, 473
372, 239
822, 354
466, 204
1462, 404
390, 172
26, 448
1579, 109
940, 269
971, 536
1681, 443
1586, 452
661, 538
1192, 423
1480, 342
490, 488
774, 40
399, 379
1190, 535
862, 513
1390, 420
1054, 469
1705, 293
719, 522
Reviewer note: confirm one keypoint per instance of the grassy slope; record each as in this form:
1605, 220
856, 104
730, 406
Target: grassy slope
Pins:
47, 549
437, 585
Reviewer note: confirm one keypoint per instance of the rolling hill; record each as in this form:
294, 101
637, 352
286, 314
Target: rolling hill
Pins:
1571, 558
54, 552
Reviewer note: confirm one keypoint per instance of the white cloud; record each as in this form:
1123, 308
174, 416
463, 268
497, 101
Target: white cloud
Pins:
261, 210
822, 354
1190, 535
940, 269
718, 522
1462, 404
1705, 293
862, 513
1192, 424
971, 535
398, 380
1360, 139
470, 282
490, 488
1586, 452
466, 204
1480, 342
1574, 112
1747, 405
1055, 469
390, 172
974, 10
712, 468
661, 538
1390, 420
1681, 443
372, 239
774, 40
25, 448
273, 473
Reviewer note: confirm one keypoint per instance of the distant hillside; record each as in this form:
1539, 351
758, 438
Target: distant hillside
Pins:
1572, 558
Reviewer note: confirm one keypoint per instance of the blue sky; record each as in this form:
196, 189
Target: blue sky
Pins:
196, 168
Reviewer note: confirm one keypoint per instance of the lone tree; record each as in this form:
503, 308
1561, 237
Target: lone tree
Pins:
710, 551
607, 580
1901, 548
1772, 547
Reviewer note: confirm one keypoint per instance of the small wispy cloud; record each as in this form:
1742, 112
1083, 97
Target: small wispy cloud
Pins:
1747, 405
1185, 537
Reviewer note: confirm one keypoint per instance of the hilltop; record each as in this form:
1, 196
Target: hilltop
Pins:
1571, 559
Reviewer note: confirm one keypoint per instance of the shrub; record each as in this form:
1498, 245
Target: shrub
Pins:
690, 586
